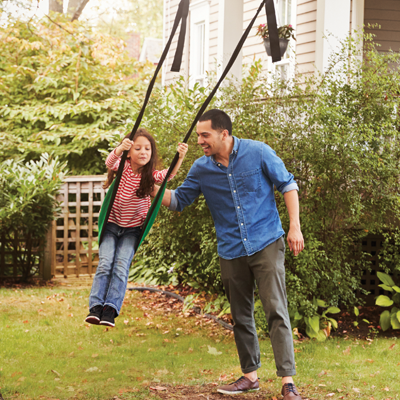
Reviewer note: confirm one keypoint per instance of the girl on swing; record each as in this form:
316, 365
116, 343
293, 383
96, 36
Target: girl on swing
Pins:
123, 229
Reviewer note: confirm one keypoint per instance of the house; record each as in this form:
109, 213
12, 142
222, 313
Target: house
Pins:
215, 26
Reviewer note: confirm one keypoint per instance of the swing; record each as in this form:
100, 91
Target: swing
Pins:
181, 16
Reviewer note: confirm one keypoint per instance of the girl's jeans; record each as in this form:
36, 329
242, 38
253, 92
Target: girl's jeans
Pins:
115, 256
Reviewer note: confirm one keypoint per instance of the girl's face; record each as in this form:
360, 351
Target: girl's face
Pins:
140, 153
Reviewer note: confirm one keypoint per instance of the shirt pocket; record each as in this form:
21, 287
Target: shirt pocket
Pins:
251, 180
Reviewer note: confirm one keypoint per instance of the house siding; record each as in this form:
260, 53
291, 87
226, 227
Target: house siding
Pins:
386, 13
306, 35
171, 7
253, 48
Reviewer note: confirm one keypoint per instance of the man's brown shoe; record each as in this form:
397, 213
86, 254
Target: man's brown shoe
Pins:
242, 385
289, 392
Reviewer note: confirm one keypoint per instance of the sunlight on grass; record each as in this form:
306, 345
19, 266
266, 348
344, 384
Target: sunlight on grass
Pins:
47, 351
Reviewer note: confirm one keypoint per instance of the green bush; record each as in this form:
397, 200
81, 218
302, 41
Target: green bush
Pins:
27, 206
66, 89
337, 133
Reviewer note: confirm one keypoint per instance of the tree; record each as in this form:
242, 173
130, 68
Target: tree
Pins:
66, 89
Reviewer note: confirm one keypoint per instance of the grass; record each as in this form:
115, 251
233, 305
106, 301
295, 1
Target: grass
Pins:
46, 351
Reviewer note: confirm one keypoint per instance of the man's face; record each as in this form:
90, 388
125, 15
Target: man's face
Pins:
210, 140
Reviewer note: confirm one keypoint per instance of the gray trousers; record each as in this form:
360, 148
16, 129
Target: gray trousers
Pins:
266, 268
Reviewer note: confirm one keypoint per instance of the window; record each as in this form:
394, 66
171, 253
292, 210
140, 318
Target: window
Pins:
286, 11
199, 42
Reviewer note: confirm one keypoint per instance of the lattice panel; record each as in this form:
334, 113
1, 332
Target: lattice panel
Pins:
369, 279
74, 232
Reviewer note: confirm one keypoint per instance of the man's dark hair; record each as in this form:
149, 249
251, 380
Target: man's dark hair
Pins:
220, 120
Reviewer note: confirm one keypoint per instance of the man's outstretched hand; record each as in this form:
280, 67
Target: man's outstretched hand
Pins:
295, 240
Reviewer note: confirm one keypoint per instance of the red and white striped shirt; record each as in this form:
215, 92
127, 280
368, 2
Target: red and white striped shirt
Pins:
129, 210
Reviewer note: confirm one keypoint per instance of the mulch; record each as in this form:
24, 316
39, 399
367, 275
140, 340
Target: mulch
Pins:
208, 392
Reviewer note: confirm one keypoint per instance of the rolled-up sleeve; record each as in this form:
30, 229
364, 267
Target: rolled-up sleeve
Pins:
275, 169
187, 193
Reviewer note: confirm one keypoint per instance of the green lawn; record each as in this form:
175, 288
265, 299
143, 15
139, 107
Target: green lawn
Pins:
48, 352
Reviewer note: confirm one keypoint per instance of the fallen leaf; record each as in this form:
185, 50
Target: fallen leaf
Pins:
213, 351
21, 379
392, 346
92, 369
322, 373
26, 322
95, 355
126, 321
330, 394
386, 388
357, 390
158, 388
55, 372
16, 373
347, 351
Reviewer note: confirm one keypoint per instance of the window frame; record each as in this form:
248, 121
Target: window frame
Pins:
199, 13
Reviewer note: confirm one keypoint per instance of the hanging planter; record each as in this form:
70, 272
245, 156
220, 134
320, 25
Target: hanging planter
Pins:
285, 32
283, 43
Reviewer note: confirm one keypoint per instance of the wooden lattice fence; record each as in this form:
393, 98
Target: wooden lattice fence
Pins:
74, 242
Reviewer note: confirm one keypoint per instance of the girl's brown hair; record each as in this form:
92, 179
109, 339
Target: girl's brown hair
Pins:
147, 181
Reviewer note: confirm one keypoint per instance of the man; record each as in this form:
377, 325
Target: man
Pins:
237, 178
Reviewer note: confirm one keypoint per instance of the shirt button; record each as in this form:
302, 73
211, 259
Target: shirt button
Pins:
230, 174
238, 207
241, 224
234, 191
245, 239
219, 165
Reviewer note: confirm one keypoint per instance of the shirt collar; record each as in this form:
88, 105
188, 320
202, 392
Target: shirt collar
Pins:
234, 150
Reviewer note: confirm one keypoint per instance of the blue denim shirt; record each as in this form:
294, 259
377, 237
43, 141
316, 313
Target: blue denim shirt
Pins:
241, 197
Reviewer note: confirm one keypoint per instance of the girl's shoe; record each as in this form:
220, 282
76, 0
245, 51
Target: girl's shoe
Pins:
108, 316
94, 316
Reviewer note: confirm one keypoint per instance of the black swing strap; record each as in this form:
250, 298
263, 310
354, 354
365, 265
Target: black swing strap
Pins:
273, 30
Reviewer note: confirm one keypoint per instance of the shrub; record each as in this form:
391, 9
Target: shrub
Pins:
65, 89
27, 206
337, 133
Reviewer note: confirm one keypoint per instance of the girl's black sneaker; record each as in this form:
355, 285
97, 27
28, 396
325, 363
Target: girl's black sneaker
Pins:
94, 316
108, 316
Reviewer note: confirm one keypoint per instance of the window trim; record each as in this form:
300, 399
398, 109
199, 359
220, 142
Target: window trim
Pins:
199, 12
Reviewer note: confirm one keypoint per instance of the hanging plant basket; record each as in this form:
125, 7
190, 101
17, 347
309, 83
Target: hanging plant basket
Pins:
283, 43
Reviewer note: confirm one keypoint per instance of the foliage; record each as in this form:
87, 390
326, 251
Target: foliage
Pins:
389, 318
317, 326
122, 17
284, 31
338, 133
27, 206
65, 89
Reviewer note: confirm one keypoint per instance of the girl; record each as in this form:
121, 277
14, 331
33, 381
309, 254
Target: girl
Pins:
123, 228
